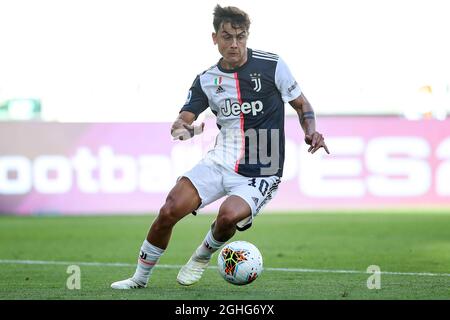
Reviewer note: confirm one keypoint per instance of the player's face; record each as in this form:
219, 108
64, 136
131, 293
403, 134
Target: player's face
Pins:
232, 45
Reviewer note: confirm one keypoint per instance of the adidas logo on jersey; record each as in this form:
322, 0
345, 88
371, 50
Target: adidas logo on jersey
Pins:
235, 108
220, 90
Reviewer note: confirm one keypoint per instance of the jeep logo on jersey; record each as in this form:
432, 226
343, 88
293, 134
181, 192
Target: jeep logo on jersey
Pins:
247, 107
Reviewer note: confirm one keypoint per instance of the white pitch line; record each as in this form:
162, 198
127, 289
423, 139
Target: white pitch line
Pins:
427, 274
172, 266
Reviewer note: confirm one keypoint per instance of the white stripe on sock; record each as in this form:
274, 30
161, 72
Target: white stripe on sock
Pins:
208, 246
148, 258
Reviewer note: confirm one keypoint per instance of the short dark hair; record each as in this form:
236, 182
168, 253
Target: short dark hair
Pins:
237, 17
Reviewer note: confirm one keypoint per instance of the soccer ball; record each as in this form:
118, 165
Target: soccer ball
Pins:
240, 262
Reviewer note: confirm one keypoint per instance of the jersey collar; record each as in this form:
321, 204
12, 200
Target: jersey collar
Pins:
249, 54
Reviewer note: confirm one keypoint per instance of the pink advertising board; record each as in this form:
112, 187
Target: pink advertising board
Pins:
108, 168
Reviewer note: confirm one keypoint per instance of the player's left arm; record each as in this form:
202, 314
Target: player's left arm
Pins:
307, 120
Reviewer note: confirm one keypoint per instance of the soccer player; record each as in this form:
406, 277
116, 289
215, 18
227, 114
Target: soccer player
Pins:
246, 90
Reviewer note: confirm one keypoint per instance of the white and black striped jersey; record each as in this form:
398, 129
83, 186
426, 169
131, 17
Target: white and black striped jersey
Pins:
249, 105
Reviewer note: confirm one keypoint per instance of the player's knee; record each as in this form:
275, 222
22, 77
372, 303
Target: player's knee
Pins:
168, 216
226, 220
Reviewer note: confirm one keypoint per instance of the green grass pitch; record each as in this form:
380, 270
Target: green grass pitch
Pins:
306, 256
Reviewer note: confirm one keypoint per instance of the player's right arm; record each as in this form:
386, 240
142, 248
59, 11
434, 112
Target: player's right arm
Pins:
196, 103
182, 128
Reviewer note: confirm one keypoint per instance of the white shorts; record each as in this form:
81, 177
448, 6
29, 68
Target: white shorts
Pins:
213, 182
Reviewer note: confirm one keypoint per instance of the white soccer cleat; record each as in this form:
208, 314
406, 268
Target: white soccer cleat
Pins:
127, 284
192, 271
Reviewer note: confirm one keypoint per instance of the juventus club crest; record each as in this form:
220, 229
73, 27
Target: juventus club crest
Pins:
256, 79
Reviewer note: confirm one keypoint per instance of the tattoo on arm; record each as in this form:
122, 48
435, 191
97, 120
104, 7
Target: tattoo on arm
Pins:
307, 115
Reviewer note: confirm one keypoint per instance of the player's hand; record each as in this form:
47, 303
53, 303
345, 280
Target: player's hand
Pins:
187, 131
316, 141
